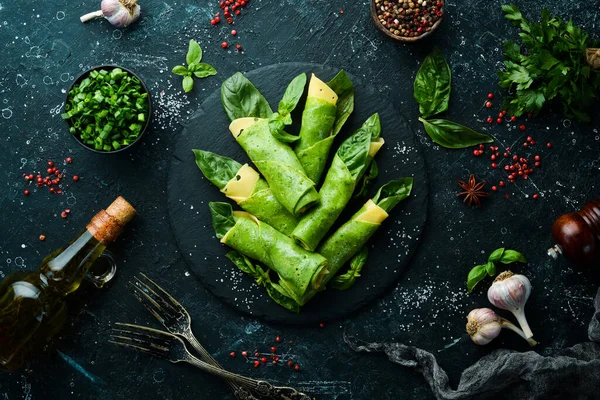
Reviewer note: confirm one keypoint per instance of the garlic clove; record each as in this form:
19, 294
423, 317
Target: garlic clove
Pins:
484, 325
510, 292
120, 13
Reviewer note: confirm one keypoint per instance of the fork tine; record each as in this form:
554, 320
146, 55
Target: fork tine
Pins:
155, 296
142, 338
152, 306
166, 294
138, 348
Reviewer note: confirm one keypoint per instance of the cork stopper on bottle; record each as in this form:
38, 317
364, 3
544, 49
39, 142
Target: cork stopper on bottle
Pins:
108, 224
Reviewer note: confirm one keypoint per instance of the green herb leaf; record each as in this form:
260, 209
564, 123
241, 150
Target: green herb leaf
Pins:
433, 84
392, 193
354, 151
203, 70
346, 280
452, 135
475, 276
222, 217
292, 95
366, 180
511, 256
194, 54
277, 129
343, 87
241, 99
243, 263
217, 169
188, 84
180, 70
490, 268
496, 255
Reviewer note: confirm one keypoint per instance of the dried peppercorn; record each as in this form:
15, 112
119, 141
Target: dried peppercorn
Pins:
408, 18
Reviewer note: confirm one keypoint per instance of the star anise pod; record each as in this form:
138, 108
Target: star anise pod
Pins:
473, 191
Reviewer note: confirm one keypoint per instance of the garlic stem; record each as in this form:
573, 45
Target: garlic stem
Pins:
89, 16
520, 315
509, 325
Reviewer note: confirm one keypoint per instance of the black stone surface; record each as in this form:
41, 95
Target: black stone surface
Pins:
44, 46
390, 249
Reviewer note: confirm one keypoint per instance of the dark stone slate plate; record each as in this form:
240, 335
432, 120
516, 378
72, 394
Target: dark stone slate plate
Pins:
390, 249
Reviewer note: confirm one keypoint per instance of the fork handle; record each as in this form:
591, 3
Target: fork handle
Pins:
262, 388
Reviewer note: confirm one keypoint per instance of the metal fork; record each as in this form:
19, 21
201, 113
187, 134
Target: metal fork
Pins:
168, 346
174, 317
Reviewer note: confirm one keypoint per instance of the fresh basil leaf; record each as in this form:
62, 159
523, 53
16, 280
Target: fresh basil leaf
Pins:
194, 54
452, 135
180, 70
346, 280
433, 84
279, 296
193, 67
511, 256
277, 126
203, 70
490, 268
241, 99
188, 84
222, 217
392, 193
217, 169
242, 262
496, 255
292, 95
343, 87
475, 276
354, 151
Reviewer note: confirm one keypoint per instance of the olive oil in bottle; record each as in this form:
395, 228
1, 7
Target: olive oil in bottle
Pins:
32, 304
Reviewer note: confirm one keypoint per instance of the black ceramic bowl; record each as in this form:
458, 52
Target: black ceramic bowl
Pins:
148, 118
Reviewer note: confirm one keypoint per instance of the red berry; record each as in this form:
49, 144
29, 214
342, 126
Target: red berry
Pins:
75, 177
488, 104
494, 188
522, 127
494, 165
493, 157
232, 354
535, 196
529, 115
501, 183
537, 158
234, 32
490, 120
499, 120
244, 354
256, 354
505, 155
263, 360
217, 20
69, 160
26, 192
224, 45
290, 363
513, 118
63, 214
549, 145
256, 364
238, 47
278, 339
322, 325
503, 113
50, 164
222, 4
500, 115
537, 163
490, 96
475, 152
529, 138
273, 349
50, 170
238, 12
213, 22
506, 168
274, 361
297, 367
229, 20
481, 147
525, 144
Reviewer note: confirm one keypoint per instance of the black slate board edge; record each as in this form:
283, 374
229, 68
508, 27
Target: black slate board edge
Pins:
311, 313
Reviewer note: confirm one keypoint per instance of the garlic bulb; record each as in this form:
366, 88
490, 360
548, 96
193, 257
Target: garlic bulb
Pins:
119, 13
484, 325
510, 292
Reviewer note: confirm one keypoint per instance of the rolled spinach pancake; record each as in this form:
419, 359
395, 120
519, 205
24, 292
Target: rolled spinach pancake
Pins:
350, 238
349, 164
299, 270
322, 119
242, 184
277, 162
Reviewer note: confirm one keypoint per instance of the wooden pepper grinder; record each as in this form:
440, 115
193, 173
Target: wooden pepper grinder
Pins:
577, 235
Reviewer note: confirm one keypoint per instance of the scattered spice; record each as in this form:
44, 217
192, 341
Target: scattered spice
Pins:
238, 47
488, 104
244, 354
322, 325
408, 18
42, 237
232, 354
256, 364
473, 191
26, 192
278, 339
490, 96
297, 367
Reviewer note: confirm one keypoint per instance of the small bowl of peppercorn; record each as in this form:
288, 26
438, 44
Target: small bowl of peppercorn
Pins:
407, 20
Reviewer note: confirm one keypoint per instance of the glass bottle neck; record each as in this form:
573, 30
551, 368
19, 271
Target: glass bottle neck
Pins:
63, 270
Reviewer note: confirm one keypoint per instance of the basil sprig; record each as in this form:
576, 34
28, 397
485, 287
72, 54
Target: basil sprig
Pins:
241, 99
432, 88
346, 280
501, 255
194, 68
222, 217
291, 97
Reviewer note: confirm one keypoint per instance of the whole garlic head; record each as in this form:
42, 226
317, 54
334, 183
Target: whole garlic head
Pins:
483, 325
120, 13
510, 292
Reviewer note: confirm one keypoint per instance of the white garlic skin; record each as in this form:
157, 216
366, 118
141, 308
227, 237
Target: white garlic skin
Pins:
510, 292
483, 325
120, 13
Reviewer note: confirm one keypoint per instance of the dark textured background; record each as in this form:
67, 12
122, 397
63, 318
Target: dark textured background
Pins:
44, 46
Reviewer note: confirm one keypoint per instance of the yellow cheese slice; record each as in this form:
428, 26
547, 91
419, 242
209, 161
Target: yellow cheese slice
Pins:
319, 89
237, 126
375, 146
242, 185
373, 213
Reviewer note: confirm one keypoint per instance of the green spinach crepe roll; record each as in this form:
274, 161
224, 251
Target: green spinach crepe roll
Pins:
242, 184
350, 238
278, 164
299, 270
349, 164
322, 119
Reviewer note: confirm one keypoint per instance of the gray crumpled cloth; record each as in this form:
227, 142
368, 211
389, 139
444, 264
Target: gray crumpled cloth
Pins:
573, 373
